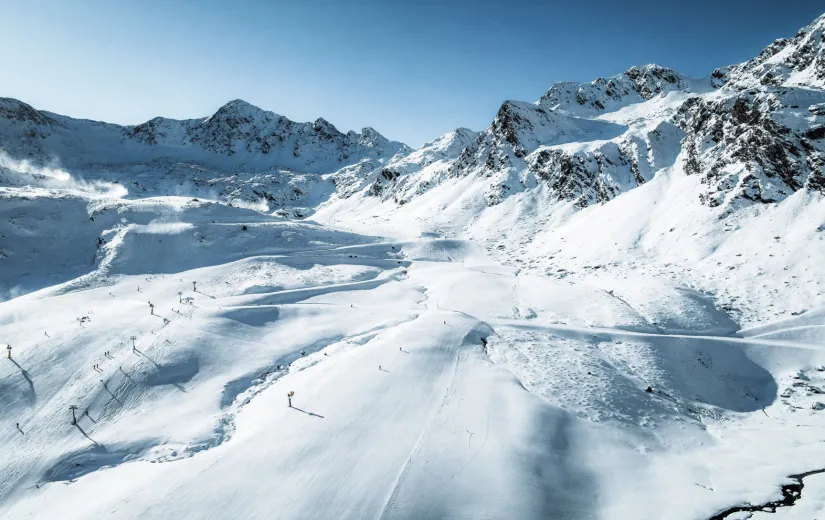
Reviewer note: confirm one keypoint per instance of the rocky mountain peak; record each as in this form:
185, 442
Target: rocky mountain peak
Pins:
371, 137
797, 61
15, 110
326, 129
238, 107
634, 85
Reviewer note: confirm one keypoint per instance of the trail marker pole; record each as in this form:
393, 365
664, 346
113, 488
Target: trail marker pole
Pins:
194, 287
8, 349
73, 408
289, 397
133, 338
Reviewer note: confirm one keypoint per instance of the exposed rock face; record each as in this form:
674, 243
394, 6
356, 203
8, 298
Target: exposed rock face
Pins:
755, 145
635, 85
521, 128
405, 176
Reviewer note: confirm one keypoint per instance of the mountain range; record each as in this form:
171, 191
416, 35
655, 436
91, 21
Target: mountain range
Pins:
608, 304
752, 132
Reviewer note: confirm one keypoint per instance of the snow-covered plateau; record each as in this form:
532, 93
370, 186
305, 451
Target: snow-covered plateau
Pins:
609, 304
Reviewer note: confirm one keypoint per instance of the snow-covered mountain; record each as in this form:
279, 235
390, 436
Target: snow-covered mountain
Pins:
752, 131
239, 136
789, 62
608, 304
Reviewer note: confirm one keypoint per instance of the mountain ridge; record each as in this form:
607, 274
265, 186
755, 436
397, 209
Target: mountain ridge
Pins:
264, 139
743, 129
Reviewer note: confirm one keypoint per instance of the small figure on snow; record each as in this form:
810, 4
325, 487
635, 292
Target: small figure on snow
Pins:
289, 397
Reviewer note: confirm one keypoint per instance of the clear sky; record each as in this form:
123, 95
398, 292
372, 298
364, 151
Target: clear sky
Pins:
411, 69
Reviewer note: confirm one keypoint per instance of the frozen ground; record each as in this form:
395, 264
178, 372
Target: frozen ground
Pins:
433, 378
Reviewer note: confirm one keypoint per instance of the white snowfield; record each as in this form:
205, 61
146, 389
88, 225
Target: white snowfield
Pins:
400, 410
609, 304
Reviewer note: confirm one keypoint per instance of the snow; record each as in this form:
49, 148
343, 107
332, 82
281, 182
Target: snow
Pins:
545, 319
197, 419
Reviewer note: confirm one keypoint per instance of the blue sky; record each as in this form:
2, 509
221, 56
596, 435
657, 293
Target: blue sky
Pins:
412, 70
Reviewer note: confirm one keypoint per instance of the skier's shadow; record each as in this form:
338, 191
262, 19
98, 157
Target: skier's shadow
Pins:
308, 413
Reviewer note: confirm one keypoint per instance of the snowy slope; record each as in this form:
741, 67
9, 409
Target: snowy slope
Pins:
609, 304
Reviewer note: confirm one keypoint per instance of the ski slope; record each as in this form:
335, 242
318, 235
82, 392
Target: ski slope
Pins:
430, 380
